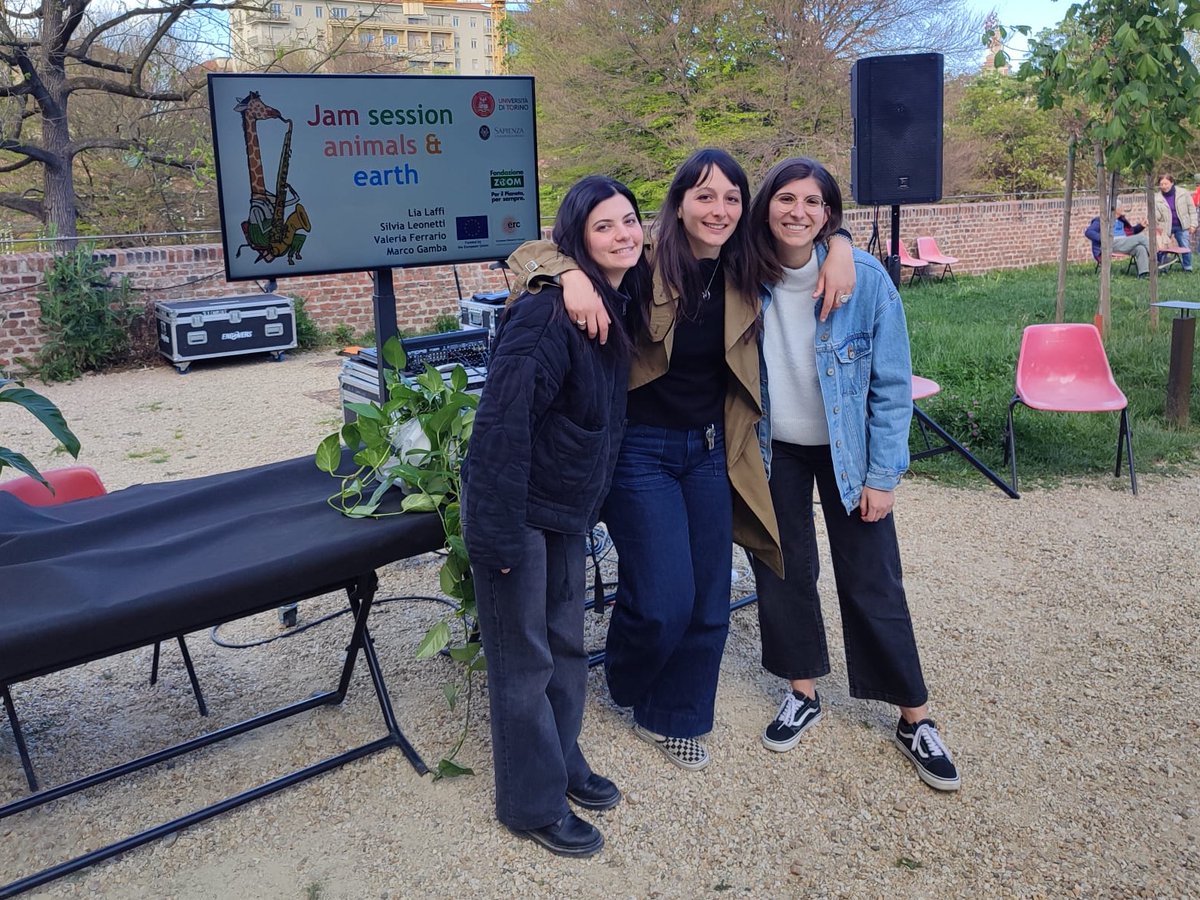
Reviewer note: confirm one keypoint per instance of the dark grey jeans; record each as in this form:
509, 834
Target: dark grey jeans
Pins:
881, 651
531, 622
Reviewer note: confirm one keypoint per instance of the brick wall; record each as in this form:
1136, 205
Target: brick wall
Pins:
984, 236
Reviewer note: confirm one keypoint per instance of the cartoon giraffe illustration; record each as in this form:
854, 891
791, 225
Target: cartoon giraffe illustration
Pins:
266, 230
253, 110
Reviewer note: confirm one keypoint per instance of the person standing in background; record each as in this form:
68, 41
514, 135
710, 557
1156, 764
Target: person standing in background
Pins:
1175, 215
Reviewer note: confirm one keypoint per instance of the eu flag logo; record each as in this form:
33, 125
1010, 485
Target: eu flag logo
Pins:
471, 228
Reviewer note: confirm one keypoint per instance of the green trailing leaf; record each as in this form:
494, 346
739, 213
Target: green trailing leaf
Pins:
436, 638
450, 692
418, 503
447, 581
465, 653
366, 410
447, 768
329, 453
393, 353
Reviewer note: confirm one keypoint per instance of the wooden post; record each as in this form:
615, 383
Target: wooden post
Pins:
1179, 375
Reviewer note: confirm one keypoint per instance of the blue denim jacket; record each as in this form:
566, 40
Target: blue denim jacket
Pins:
866, 382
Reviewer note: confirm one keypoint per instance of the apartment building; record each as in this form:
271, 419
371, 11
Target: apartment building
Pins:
377, 35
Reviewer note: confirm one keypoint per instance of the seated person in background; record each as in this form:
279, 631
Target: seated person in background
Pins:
1127, 238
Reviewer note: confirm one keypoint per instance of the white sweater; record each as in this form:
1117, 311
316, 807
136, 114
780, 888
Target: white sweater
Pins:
797, 410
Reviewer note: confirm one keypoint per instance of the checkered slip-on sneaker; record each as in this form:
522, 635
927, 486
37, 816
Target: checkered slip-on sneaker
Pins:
687, 753
923, 746
796, 715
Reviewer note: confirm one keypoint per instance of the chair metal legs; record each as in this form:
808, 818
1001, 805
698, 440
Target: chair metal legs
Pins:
1124, 446
1010, 442
1125, 436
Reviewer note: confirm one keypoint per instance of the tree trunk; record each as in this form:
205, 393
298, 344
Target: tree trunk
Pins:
1106, 236
59, 175
1065, 247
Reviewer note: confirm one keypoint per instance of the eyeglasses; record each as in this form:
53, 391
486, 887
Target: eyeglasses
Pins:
812, 205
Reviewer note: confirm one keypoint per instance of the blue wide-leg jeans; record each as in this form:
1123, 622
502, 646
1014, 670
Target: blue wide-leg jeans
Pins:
670, 515
531, 622
1183, 239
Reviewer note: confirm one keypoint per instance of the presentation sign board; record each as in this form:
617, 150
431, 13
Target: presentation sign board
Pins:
341, 173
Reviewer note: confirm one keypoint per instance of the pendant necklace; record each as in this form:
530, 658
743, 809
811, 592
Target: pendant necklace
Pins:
707, 292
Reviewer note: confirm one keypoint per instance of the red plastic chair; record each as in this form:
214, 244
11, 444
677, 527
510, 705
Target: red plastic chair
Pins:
70, 483
1063, 368
927, 249
66, 485
919, 267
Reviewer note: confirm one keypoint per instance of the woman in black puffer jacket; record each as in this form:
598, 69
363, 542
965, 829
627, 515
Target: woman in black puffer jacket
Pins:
541, 457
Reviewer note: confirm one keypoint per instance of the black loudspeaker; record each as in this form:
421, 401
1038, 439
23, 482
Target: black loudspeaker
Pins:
897, 106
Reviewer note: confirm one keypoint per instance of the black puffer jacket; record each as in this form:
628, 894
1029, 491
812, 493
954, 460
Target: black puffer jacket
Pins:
546, 434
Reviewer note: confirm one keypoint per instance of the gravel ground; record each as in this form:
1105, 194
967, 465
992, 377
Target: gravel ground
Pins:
1059, 635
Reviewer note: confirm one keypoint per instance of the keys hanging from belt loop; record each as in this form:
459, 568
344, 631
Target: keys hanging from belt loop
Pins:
710, 436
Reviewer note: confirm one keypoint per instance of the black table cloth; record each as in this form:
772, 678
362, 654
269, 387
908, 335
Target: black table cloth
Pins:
93, 577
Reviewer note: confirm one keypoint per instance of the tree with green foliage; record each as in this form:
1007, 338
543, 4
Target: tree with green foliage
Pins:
1127, 64
54, 52
631, 87
1020, 145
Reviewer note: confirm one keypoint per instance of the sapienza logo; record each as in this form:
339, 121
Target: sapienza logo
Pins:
483, 104
236, 335
484, 132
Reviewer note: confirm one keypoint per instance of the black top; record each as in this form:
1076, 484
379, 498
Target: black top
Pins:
691, 393
546, 433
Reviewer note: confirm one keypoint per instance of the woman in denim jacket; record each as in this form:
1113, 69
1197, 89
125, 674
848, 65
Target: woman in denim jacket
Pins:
840, 404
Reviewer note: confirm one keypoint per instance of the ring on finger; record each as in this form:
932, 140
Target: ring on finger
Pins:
582, 323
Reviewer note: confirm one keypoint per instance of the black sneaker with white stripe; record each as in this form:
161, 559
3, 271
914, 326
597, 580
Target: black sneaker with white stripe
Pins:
923, 746
796, 715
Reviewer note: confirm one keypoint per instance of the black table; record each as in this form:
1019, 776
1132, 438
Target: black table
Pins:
96, 577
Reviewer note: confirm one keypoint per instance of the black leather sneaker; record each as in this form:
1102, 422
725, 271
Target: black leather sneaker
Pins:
596, 793
569, 836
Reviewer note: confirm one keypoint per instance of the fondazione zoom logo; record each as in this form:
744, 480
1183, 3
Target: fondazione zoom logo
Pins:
507, 178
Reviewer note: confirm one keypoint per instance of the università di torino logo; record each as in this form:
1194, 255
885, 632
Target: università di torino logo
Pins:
483, 104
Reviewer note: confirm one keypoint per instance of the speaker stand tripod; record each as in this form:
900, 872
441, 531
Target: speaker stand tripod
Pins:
891, 261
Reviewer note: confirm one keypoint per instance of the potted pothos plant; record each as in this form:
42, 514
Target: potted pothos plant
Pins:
415, 442
44, 411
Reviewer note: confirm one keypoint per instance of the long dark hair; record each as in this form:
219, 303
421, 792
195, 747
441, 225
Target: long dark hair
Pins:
570, 234
759, 226
673, 257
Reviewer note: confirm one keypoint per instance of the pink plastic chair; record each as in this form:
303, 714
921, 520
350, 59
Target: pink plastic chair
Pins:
927, 249
1063, 368
919, 267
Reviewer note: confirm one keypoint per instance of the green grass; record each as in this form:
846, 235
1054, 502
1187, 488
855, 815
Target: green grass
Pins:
965, 335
